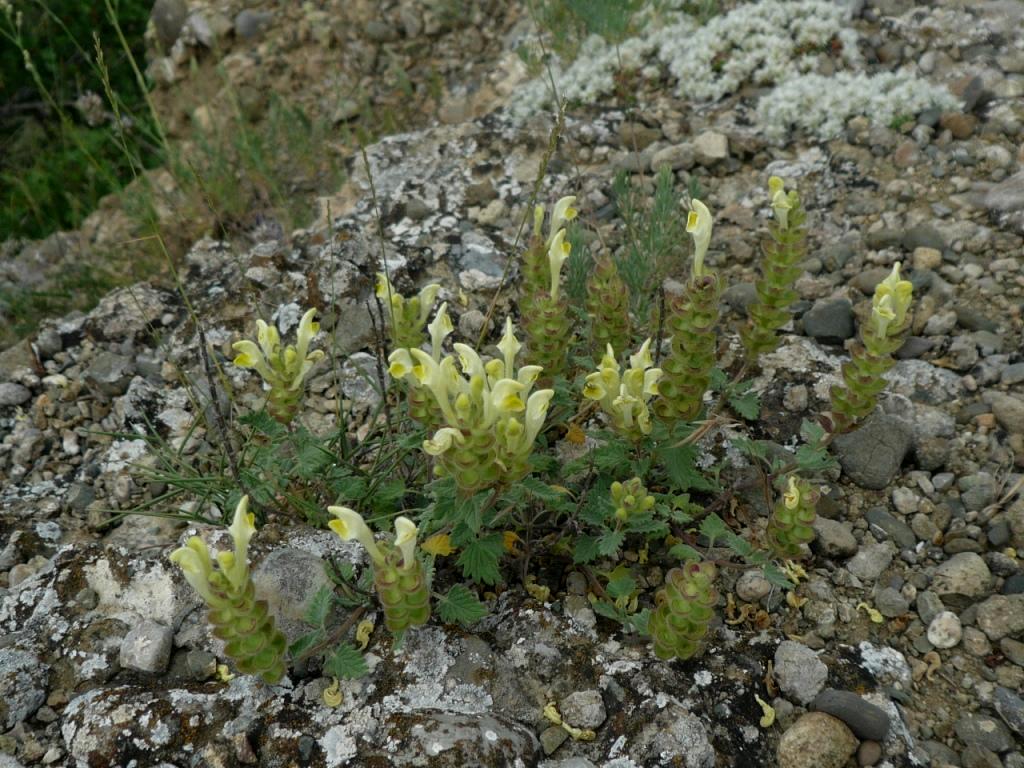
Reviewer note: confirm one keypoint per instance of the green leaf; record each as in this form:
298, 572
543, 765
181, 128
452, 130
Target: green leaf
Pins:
263, 423
638, 621
747, 405
621, 586
681, 466
713, 528
346, 663
460, 605
319, 607
610, 542
812, 432
586, 549
479, 559
606, 609
304, 643
685, 552
719, 380
773, 575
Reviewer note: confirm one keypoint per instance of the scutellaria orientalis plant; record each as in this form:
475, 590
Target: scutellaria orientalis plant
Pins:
223, 581
491, 443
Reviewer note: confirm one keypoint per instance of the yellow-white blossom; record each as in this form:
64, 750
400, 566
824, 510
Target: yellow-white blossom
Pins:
624, 398
698, 224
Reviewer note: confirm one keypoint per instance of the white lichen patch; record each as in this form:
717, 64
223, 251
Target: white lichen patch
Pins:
821, 105
122, 454
771, 43
151, 592
885, 663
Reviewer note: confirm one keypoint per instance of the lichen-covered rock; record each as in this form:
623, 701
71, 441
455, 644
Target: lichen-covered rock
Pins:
23, 680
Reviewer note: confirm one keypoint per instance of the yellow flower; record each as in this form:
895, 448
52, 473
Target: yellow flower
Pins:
563, 212
698, 224
900, 291
405, 539
791, 498
558, 253
882, 315
781, 204
350, 525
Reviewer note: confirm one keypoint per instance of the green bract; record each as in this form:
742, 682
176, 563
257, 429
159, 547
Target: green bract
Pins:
691, 319
608, 307
782, 255
406, 316
792, 519
397, 574
631, 498
684, 608
241, 621
283, 368
881, 336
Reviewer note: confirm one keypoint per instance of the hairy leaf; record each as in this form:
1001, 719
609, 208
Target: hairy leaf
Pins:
460, 605
479, 559
346, 663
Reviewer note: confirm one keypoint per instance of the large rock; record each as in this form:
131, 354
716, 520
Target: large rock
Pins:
288, 579
1006, 196
871, 456
1001, 615
168, 18
676, 732
799, 672
830, 321
816, 740
863, 718
964, 574
23, 678
1008, 410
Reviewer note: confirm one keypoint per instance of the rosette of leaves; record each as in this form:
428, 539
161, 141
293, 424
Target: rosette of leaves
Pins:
881, 336
792, 520
782, 255
608, 307
244, 623
686, 372
683, 610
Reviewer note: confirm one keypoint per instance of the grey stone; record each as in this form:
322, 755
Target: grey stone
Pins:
862, 717
676, 156
552, 738
1008, 410
834, 539
675, 731
869, 753
1015, 518
923, 236
147, 647
1010, 707
945, 630
1006, 196
975, 729
799, 672
358, 380
201, 665
250, 23
830, 320
288, 579
12, 394
977, 491
740, 296
929, 605
871, 456
476, 739
1014, 585
1001, 615
380, 31
973, 320
816, 740
872, 559
109, 374
964, 574
583, 709
710, 147
892, 527
1013, 374
891, 603
168, 18
979, 757
752, 586
23, 679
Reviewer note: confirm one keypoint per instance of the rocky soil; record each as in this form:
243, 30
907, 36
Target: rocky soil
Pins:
905, 643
